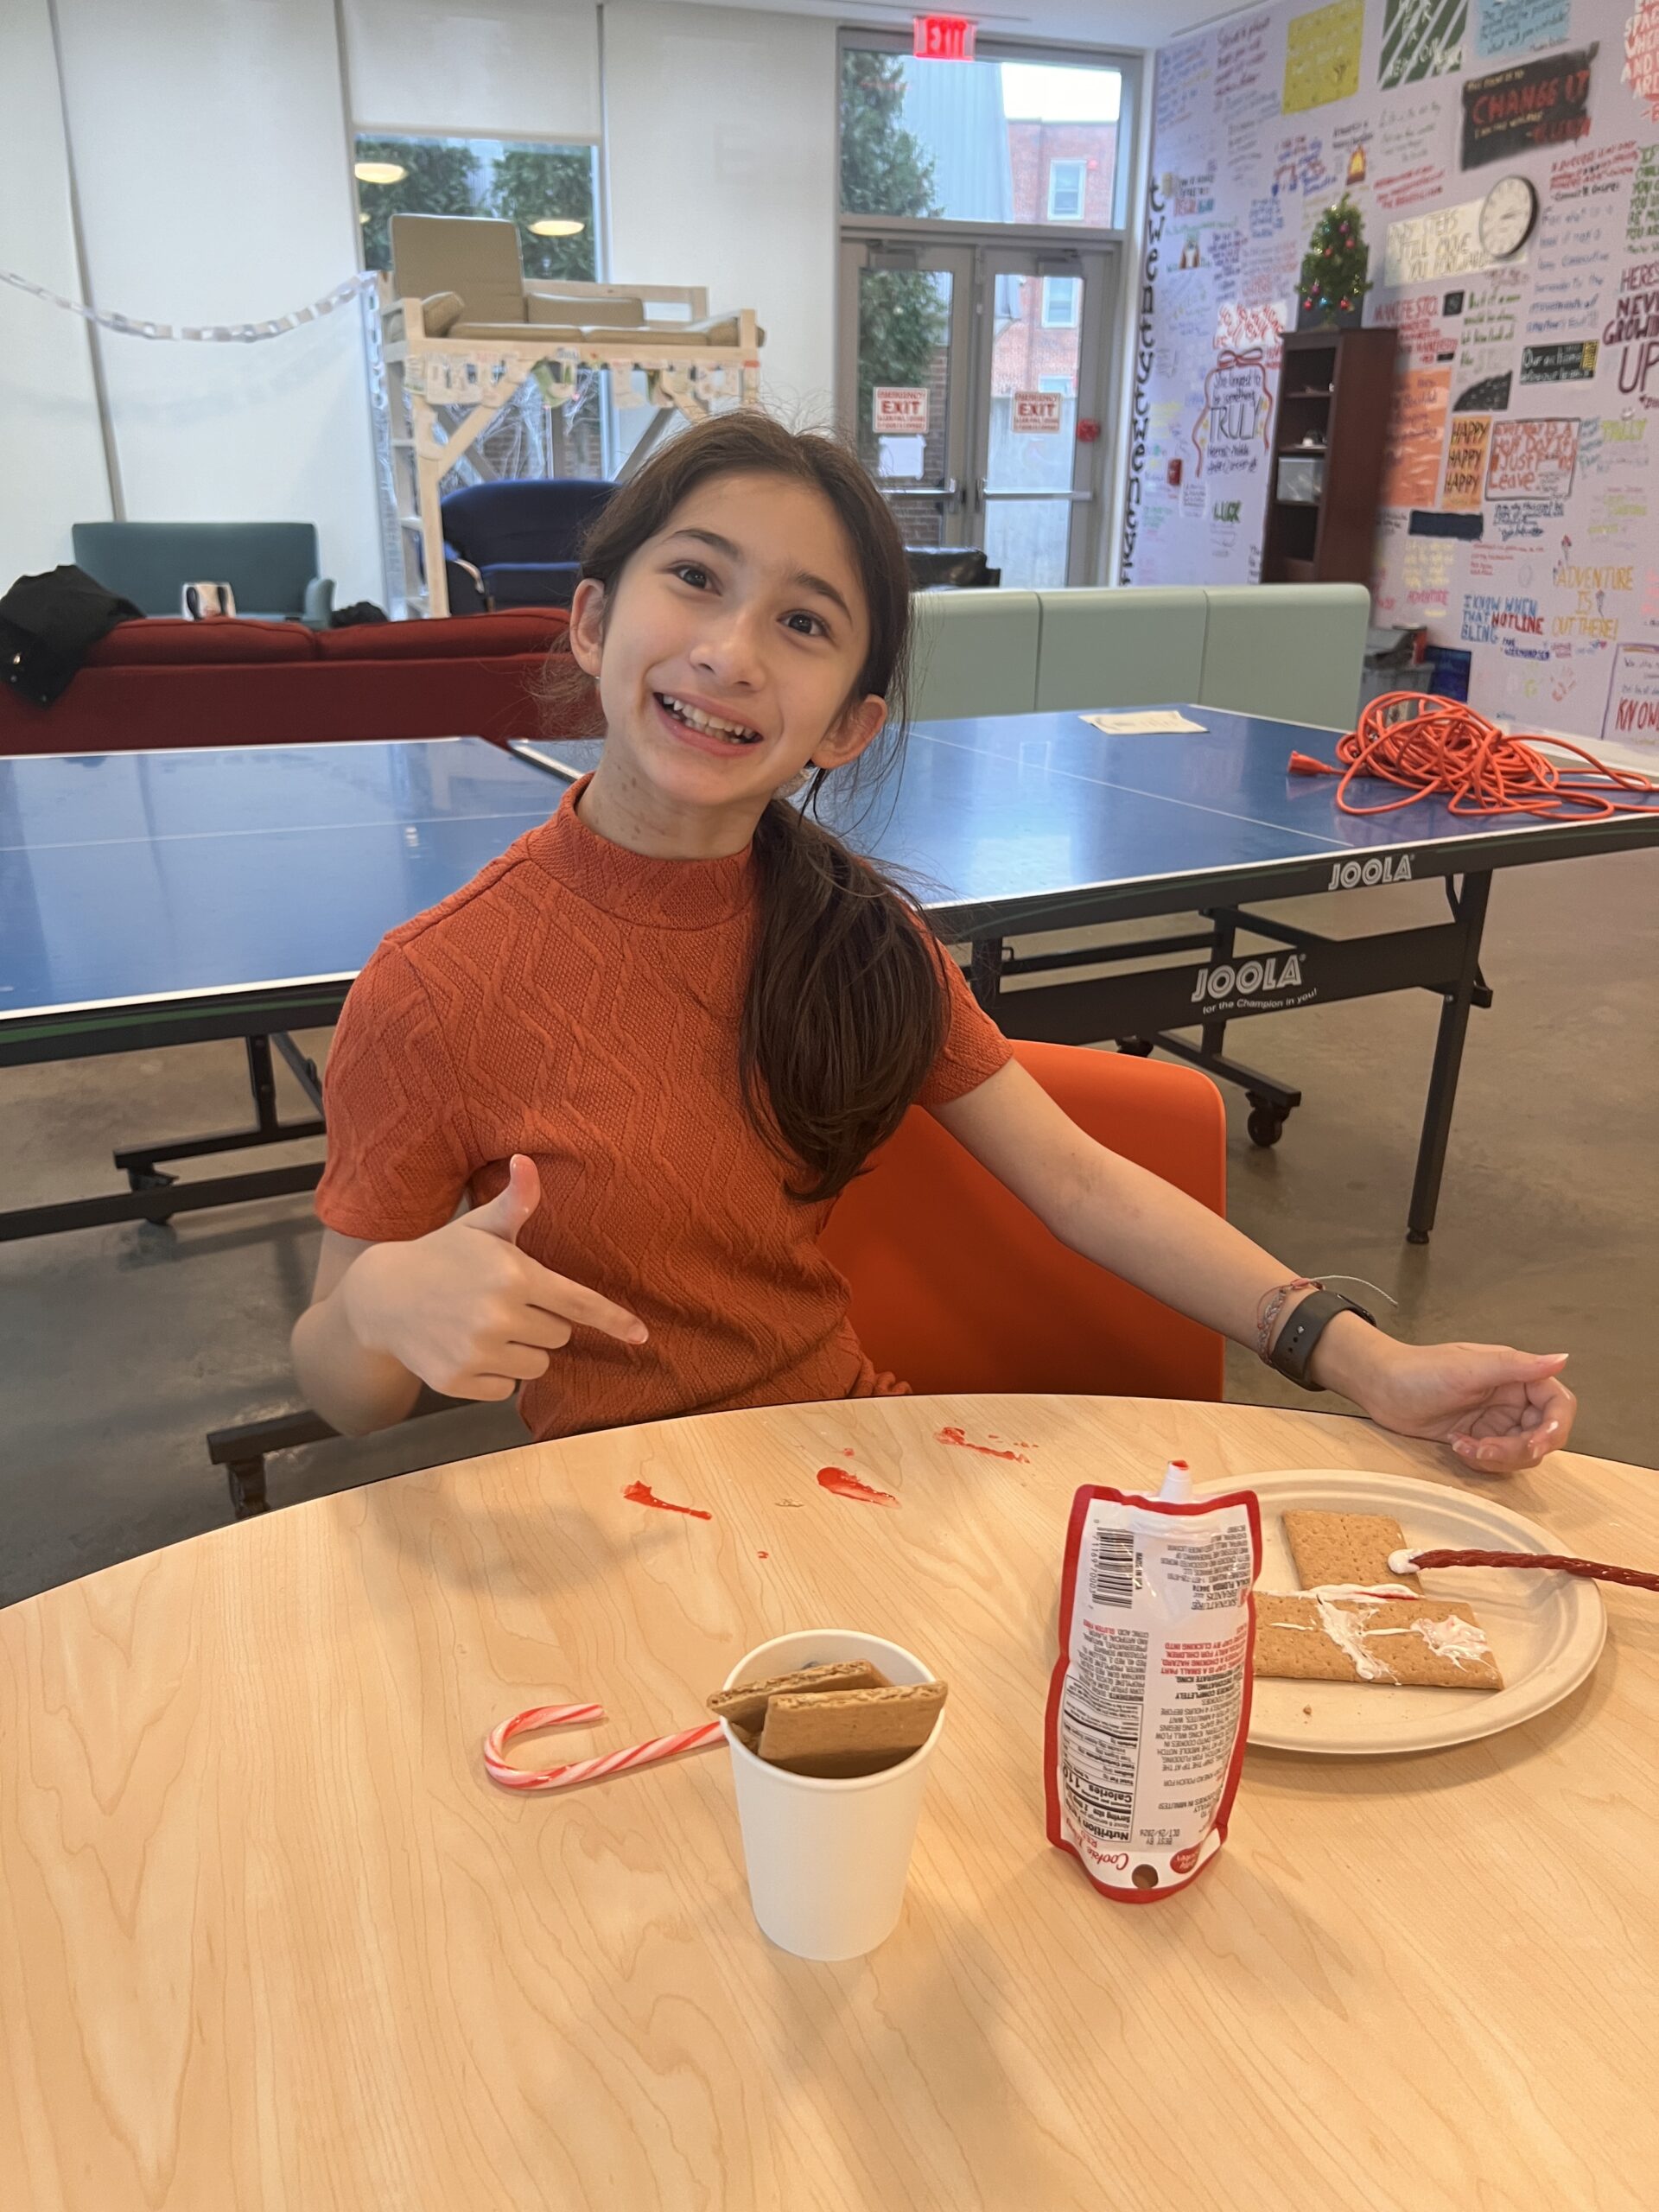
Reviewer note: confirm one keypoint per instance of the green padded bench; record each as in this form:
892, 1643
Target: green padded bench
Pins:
973, 653
1292, 650
1133, 645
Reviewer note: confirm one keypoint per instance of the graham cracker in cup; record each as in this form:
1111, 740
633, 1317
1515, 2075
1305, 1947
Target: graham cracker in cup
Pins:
745, 1707
836, 1735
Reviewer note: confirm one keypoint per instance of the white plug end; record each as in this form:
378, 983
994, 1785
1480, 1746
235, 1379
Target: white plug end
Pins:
1402, 1562
1178, 1484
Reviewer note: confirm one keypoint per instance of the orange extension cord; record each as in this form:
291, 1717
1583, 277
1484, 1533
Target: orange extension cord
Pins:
1441, 748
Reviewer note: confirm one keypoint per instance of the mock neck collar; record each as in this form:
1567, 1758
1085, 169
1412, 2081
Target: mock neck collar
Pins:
669, 894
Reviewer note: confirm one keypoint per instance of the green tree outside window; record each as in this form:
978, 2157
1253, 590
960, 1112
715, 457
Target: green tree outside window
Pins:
902, 317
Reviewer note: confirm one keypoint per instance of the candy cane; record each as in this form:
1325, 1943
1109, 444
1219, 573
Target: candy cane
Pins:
1407, 1562
701, 1738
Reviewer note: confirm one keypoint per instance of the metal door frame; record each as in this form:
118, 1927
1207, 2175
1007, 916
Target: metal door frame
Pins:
974, 255
1098, 267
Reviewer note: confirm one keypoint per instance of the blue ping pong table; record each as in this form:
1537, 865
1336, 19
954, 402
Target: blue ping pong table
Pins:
1023, 824
155, 899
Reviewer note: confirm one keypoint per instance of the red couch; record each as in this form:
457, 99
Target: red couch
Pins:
228, 682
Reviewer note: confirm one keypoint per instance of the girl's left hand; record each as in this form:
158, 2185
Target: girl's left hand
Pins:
1500, 1410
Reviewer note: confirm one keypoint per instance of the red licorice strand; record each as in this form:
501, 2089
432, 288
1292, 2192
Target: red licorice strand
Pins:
1594, 1570
1441, 748
703, 1737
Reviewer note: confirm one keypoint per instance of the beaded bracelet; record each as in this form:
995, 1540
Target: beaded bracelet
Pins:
1271, 1305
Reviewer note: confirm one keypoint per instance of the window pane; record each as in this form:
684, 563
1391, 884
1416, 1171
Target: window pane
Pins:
904, 347
978, 142
1029, 539
1066, 190
1060, 302
525, 183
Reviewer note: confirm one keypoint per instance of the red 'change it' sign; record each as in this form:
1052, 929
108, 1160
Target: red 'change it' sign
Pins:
942, 38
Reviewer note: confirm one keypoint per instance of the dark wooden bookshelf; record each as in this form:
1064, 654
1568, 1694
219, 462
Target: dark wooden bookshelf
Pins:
1336, 388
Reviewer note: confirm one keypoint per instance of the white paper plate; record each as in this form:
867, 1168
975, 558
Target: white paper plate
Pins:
1546, 1631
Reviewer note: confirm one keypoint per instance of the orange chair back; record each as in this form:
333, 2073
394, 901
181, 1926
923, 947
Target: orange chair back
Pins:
958, 1285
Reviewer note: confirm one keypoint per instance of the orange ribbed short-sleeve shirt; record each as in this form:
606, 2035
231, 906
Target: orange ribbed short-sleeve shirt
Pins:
580, 1002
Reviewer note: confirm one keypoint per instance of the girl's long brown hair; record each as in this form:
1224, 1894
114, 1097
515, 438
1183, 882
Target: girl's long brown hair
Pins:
846, 1008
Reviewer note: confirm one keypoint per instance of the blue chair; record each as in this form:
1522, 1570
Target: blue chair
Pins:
270, 566
517, 543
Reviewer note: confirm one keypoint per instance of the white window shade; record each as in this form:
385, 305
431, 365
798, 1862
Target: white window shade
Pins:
475, 68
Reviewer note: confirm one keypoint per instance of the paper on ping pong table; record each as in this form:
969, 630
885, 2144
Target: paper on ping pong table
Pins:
1156, 721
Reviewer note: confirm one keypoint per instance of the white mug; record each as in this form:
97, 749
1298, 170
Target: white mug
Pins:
208, 599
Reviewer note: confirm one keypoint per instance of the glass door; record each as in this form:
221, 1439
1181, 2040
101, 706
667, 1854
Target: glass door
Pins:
907, 333
978, 375
1035, 495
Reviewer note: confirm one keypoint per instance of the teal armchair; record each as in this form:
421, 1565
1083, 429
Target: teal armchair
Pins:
270, 566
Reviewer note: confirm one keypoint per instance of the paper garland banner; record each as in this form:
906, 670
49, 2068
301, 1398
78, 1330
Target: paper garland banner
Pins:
237, 334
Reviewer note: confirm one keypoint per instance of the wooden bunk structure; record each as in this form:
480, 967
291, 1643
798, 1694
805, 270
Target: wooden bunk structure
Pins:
461, 332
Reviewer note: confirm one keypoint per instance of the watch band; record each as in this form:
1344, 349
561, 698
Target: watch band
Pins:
1294, 1350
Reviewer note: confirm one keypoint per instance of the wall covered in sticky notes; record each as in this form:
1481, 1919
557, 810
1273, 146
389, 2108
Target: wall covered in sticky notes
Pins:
1521, 522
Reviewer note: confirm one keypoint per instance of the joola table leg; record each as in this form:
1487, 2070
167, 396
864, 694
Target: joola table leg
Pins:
1469, 905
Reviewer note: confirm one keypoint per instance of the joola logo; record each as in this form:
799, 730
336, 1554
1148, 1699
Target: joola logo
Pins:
1347, 875
1248, 979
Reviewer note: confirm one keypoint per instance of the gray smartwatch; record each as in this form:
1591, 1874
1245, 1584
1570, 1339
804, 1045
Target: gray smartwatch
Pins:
1308, 1322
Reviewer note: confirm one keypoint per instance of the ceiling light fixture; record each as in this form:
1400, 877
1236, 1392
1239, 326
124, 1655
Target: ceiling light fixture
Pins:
379, 172
558, 227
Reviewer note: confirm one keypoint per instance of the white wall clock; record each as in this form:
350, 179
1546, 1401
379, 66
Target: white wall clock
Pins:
1507, 217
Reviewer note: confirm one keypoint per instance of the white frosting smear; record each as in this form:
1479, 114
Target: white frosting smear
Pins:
1348, 1614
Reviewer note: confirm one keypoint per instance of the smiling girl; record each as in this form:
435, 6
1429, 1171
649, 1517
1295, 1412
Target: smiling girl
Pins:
648, 1046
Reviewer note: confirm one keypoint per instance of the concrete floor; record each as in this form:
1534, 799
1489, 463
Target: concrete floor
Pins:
119, 1348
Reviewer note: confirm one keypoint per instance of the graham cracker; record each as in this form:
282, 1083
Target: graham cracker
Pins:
1339, 1547
1294, 1643
746, 1707
840, 1733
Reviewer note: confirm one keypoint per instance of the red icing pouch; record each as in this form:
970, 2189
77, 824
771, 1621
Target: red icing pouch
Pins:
1150, 1700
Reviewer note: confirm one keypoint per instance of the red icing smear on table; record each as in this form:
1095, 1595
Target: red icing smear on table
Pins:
960, 1439
642, 1494
841, 1483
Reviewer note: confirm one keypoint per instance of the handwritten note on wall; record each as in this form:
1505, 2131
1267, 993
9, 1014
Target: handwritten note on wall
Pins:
1413, 467
1513, 26
1322, 55
1533, 459
1466, 463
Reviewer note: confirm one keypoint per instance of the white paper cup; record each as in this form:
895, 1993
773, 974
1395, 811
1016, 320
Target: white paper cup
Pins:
828, 1861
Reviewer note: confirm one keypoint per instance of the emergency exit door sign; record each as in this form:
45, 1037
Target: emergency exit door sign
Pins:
899, 410
942, 38
1036, 411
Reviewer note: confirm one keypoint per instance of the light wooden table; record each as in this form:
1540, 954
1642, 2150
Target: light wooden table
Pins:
268, 1938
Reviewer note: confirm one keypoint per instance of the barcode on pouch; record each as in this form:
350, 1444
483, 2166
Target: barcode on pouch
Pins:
1111, 1569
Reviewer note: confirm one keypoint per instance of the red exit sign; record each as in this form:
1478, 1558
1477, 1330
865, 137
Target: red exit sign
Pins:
943, 38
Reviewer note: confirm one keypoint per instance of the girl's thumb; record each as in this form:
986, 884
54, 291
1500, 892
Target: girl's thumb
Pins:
507, 1213
1535, 1366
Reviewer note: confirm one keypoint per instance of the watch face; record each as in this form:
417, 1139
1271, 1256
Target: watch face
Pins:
1507, 216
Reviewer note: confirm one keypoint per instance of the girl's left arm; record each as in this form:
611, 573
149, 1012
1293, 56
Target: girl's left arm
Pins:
1499, 1409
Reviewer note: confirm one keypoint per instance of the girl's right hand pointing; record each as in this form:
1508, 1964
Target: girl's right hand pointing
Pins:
469, 1312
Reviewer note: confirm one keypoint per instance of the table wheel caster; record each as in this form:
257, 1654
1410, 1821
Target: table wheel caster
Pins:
1267, 1122
151, 1178
1139, 1048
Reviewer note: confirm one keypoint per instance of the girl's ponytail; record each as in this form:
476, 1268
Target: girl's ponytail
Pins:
846, 1007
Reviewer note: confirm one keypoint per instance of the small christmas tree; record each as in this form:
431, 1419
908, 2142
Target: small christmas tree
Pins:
1333, 280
